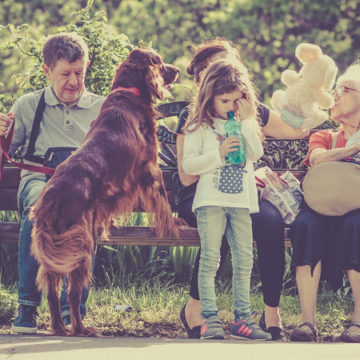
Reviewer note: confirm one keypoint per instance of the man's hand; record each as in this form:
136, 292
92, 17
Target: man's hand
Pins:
5, 122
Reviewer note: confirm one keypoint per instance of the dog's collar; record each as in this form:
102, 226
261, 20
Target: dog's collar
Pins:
133, 90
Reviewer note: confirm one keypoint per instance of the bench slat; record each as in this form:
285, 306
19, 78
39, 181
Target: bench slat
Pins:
128, 235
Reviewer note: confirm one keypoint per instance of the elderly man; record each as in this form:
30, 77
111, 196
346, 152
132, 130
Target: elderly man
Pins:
66, 110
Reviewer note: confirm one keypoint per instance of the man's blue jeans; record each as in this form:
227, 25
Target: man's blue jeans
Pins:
213, 222
28, 294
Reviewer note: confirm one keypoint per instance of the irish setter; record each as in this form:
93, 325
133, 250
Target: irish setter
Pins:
114, 170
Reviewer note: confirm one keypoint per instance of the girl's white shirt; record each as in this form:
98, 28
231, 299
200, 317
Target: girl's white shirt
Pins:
221, 184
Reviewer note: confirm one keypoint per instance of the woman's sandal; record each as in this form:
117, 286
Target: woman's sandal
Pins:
304, 332
277, 333
192, 333
351, 335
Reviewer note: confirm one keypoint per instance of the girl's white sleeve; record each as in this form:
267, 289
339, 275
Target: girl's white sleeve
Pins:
196, 161
254, 147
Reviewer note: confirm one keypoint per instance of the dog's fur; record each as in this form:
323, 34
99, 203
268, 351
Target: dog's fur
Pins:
113, 171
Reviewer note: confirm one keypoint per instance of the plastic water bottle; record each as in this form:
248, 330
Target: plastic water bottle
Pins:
233, 128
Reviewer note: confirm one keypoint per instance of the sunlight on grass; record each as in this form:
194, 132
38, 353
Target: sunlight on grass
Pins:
156, 306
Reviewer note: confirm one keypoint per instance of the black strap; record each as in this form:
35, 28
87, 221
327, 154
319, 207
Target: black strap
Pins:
35, 131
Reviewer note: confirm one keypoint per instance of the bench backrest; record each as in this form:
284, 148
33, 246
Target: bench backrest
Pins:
280, 155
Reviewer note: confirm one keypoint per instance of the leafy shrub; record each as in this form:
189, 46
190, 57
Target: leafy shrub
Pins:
8, 306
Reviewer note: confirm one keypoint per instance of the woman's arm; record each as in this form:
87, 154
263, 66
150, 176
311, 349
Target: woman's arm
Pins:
185, 179
277, 128
320, 155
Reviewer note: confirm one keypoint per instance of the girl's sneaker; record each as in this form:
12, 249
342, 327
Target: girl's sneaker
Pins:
211, 328
246, 329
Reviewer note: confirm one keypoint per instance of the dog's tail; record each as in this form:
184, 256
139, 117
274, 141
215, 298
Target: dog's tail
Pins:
60, 254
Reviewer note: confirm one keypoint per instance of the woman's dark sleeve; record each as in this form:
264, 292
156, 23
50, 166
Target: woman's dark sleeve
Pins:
263, 114
182, 120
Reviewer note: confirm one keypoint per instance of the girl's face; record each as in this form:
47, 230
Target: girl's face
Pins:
224, 103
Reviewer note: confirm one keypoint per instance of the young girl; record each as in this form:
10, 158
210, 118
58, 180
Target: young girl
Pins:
226, 193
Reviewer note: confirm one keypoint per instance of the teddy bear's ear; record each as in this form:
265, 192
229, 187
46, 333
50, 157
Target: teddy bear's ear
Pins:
307, 52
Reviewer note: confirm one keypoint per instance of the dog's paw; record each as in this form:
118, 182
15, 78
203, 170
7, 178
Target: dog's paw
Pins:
61, 331
180, 223
87, 331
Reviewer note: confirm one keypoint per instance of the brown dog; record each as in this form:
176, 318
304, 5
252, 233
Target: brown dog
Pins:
114, 169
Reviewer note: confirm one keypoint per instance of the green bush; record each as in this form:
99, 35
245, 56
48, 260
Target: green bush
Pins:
8, 306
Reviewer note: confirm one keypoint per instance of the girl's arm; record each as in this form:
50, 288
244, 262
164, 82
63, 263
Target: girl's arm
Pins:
185, 179
195, 160
277, 128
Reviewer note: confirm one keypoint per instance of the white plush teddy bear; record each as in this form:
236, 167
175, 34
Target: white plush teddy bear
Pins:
308, 90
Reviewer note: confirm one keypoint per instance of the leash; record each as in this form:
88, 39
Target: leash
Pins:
5, 146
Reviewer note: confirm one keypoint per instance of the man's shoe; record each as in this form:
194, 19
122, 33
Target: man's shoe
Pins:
276, 332
211, 328
25, 322
246, 329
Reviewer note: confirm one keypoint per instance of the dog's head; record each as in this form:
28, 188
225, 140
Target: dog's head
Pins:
146, 70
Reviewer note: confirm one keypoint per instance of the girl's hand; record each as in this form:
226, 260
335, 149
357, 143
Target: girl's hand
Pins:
245, 109
229, 145
5, 122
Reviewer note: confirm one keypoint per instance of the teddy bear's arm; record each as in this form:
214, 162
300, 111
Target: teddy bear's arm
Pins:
324, 99
288, 77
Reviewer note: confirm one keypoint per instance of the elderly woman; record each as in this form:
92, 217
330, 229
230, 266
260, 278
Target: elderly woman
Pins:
325, 246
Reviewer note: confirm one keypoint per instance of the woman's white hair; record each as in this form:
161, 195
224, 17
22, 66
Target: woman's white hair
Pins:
351, 76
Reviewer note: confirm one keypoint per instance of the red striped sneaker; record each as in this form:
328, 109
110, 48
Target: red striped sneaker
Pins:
211, 328
246, 329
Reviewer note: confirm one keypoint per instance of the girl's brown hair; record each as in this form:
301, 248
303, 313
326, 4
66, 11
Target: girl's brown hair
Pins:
221, 77
205, 51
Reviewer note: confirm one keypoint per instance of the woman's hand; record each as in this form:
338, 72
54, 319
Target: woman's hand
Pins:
5, 122
229, 145
277, 128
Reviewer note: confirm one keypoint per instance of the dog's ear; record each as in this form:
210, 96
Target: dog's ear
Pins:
155, 82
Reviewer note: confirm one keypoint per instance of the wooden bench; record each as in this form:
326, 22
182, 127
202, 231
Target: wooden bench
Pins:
279, 155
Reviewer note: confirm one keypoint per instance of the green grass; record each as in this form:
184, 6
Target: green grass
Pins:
155, 310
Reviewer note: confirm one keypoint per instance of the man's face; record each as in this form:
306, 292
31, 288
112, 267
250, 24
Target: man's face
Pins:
67, 79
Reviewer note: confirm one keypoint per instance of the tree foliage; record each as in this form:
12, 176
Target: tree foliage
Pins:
266, 32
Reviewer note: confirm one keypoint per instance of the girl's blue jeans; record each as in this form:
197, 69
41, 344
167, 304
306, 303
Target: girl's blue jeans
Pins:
213, 222
28, 294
